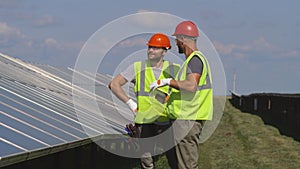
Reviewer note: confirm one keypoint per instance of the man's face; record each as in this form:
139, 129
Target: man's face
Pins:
155, 53
179, 43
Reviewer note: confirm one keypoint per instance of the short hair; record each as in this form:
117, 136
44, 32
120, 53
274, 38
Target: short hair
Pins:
188, 37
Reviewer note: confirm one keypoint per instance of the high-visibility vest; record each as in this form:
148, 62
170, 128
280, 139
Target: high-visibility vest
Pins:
192, 106
150, 110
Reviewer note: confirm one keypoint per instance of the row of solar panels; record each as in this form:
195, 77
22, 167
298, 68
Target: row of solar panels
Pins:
37, 111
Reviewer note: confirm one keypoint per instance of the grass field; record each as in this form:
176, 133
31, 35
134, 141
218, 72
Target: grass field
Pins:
243, 141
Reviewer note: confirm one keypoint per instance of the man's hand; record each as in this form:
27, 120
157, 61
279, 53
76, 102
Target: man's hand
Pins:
132, 105
159, 83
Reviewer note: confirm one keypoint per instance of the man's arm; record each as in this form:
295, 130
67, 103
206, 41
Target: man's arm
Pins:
190, 84
192, 79
116, 87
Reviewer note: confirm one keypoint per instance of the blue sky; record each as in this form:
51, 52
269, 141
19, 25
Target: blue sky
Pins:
259, 40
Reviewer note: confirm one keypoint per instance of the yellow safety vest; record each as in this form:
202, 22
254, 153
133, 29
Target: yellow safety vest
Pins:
192, 106
151, 110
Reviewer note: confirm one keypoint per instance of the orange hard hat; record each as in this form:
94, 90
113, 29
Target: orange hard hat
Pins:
187, 28
159, 40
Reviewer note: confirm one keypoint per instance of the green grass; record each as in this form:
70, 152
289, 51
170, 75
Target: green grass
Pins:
243, 141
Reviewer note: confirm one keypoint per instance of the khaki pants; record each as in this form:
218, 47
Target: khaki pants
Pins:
187, 136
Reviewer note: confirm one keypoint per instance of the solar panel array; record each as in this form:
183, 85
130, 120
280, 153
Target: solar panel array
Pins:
37, 113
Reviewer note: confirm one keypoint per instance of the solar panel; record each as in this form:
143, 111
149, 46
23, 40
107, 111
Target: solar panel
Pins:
37, 111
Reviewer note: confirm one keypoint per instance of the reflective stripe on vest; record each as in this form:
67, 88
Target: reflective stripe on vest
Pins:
142, 91
193, 106
150, 109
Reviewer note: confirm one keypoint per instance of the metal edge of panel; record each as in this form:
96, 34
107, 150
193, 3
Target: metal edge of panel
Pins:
20, 157
13, 158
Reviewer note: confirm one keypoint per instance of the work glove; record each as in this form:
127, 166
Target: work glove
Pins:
159, 83
132, 130
132, 105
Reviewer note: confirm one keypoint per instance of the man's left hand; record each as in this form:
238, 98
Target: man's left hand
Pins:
159, 83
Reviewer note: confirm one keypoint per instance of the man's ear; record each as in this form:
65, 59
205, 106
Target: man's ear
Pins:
164, 52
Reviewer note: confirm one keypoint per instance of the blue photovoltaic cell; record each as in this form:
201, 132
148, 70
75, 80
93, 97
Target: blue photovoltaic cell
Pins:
45, 102
63, 121
37, 133
21, 140
7, 149
41, 115
37, 109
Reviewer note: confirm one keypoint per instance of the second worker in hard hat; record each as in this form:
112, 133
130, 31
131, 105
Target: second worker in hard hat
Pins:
151, 118
191, 100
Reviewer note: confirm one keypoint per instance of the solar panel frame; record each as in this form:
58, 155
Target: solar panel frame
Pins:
38, 114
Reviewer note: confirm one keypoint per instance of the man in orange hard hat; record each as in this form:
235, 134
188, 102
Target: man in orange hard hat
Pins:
150, 116
191, 100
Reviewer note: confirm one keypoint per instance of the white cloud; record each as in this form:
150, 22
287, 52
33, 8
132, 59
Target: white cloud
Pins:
290, 54
10, 36
46, 21
261, 44
133, 42
240, 55
59, 46
258, 45
229, 49
224, 49
51, 42
154, 21
49, 50
9, 31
